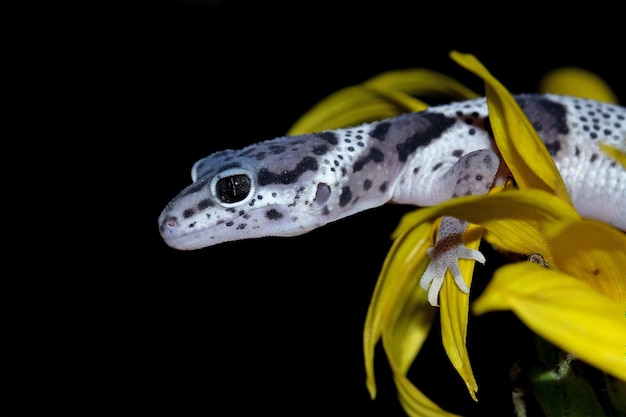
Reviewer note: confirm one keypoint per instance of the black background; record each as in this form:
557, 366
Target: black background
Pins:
105, 107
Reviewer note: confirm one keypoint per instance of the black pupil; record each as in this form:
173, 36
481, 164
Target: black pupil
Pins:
234, 188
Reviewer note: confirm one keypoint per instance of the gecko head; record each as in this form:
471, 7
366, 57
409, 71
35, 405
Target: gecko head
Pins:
267, 189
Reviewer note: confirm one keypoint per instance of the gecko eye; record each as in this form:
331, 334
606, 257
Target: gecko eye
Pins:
233, 189
232, 186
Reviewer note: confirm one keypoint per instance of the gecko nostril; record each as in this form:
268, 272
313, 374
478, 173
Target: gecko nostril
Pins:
171, 222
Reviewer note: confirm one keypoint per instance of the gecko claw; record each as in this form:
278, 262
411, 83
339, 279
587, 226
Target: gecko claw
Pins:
443, 257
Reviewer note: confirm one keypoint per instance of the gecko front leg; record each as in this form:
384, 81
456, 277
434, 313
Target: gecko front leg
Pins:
473, 174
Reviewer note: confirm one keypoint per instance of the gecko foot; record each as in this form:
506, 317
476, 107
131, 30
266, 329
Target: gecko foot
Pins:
445, 255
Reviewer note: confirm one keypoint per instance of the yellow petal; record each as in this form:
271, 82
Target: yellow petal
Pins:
593, 252
617, 154
563, 310
385, 95
402, 338
347, 107
518, 142
396, 283
513, 219
400, 313
421, 82
414, 402
578, 82
454, 311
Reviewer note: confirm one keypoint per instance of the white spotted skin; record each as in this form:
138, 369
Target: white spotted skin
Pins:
291, 185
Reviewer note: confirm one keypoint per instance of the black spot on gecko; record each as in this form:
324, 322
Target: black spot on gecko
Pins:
548, 117
380, 131
345, 197
457, 153
277, 149
593, 157
487, 126
266, 177
383, 187
553, 147
273, 214
329, 137
206, 203
437, 166
375, 155
367, 184
241, 226
229, 224
188, 213
429, 126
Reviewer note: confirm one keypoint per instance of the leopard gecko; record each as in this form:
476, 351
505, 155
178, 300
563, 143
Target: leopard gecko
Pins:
291, 185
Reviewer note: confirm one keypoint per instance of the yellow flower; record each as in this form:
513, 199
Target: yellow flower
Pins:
575, 305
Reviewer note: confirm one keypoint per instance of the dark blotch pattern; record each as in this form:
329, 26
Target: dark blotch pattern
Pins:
273, 214
380, 131
487, 126
320, 149
553, 147
203, 204
277, 149
430, 127
548, 118
375, 155
329, 137
345, 197
266, 176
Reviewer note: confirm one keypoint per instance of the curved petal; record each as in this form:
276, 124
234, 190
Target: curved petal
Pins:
385, 95
593, 252
513, 219
518, 142
400, 313
617, 154
578, 82
403, 337
396, 285
454, 314
347, 107
421, 82
563, 310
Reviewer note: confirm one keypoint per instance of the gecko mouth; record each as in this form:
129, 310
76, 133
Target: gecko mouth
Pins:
189, 235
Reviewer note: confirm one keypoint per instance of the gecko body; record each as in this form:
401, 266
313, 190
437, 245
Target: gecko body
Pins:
291, 185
